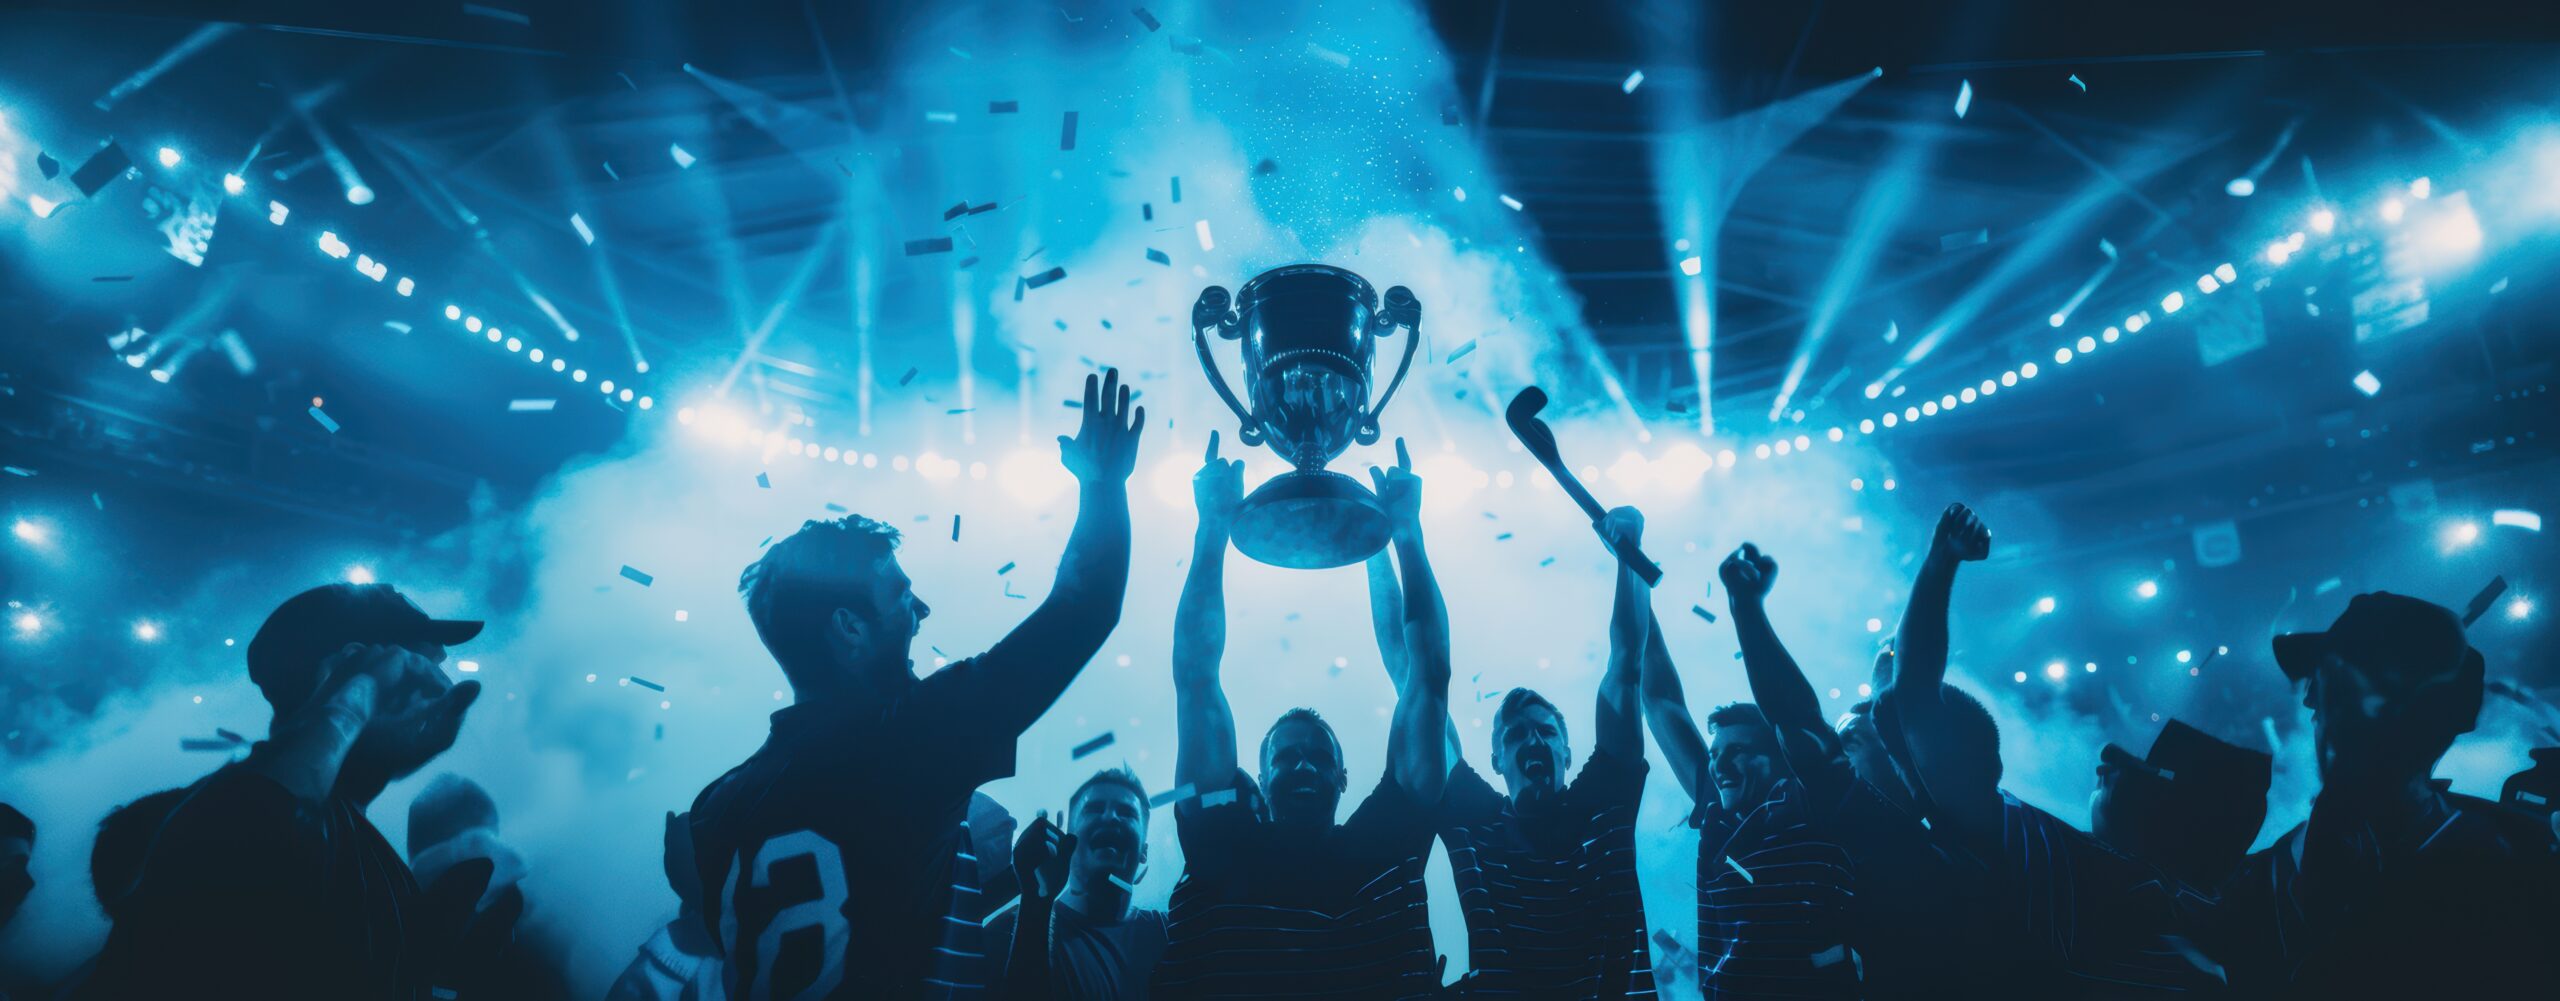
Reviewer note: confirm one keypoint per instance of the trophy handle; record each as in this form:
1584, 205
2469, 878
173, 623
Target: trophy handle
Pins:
1211, 313
1400, 309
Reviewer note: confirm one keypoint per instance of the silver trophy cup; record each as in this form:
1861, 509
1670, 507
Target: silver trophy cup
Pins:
1310, 332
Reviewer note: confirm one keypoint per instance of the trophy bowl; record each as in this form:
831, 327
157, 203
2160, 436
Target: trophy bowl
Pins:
1309, 334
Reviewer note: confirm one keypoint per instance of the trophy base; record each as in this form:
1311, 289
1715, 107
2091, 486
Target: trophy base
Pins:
1310, 520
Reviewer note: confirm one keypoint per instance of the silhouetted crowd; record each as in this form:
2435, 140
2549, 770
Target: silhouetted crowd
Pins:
851, 857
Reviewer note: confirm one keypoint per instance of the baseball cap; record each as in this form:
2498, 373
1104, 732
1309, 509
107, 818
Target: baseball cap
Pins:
2405, 645
285, 655
2186, 757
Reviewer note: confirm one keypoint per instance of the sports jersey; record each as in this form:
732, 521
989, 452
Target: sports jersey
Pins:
1773, 903
837, 858
1551, 900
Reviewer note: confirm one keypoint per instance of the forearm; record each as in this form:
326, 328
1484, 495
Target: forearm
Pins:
1386, 622
1422, 741
1666, 710
304, 757
1093, 576
1778, 685
1616, 721
1920, 646
1426, 616
1206, 745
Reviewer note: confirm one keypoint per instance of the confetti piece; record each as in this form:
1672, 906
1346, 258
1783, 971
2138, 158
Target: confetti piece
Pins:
2275, 743
764, 480
1000, 911
684, 160
1003, 107
1145, 18
579, 223
112, 278
2480, 602
496, 14
2329, 585
1201, 229
958, 410
1017, 288
635, 576
1090, 746
966, 261
325, 423
907, 378
229, 736
1737, 867
1005, 569
1061, 324
955, 528
768, 540
1464, 350
1701, 612
1219, 798
1633, 81
1067, 132
1159, 257
2516, 518
957, 51
18, 470
661, 732
838, 508
646, 683
1663, 937
1510, 203
956, 211
1009, 592
1174, 795
929, 245
530, 406
1123, 884
2076, 82
1045, 277
1549, 561
1964, 97
944, 117
202, 744
608, 171
1504, 537
1328, 55
1833, 956
99, 502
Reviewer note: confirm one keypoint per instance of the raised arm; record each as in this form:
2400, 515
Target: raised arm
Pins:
1040, 864
1418, 744
1778, 686
1916, 698
1033, 665
1205, 753
1666, 705
1617, 724
1386, 622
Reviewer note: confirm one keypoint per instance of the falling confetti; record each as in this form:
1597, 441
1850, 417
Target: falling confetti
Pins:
1964, 97
1219, 798
645, 683
1145, 18
530, 406
909, 377
1701, 612
764, 481
1633, 81
635, 576
1045, 277
1067, 132
929, 245
2076, 82
1463, 350
1159, 257
1090, 746
325, 423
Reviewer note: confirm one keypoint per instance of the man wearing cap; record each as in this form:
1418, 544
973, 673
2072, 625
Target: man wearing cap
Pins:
2395, 887
2191, 807
268, 881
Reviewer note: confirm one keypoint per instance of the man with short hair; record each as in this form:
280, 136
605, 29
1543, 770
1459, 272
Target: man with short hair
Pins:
2074, 916
268, 880
2191, 806
2395, 887
833, 858
1079, 939
1292, 904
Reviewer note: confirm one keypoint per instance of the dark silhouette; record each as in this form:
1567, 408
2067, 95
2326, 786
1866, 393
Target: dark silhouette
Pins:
267, 880
680, 961
1291, 904
2192, 806
2394, 887
17, 842
124, 840
1075, 937
454, 821
841, 850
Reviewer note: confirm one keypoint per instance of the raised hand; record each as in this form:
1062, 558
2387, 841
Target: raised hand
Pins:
1961, 537
1748, 574
1399, 491
1622, 525
1105, 447
1218, 488
1040, 859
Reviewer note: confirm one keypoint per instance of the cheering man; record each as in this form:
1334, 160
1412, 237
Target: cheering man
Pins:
1292, 904
832, 859
1078, 938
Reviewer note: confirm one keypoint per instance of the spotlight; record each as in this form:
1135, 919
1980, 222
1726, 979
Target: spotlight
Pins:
2173, 302
2241, 187
2461, 533
29, 622
2020, 677
2185, 656
2062, 356
1683, 464
1630, 472
30, 532
2418, 189
42, 206
2516, 518
2090, 667
471, 323
2057, 670
2208, 284
359, 574
1875, 389
2520, 609
2027, 371
2323, 221
146, 631
1867, 426
2277, 253
2147, 589
168, 156
1875, 625
2367, 383
1034, 478
1691, 266
453, 312
2044, 605
234, 184
359, 195
2392, 210
2056, 320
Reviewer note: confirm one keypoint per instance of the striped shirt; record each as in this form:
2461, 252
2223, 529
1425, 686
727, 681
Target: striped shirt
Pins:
1551, 899
837, 857
1773, 903
2087, 919
1264, 911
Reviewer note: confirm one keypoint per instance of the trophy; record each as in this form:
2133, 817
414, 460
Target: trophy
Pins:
1310, 332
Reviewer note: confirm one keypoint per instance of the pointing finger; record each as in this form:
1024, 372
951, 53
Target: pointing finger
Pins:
1212, 456
1404, 459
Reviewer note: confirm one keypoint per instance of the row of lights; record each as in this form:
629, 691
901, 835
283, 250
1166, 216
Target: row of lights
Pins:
334, 246
2060, 669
